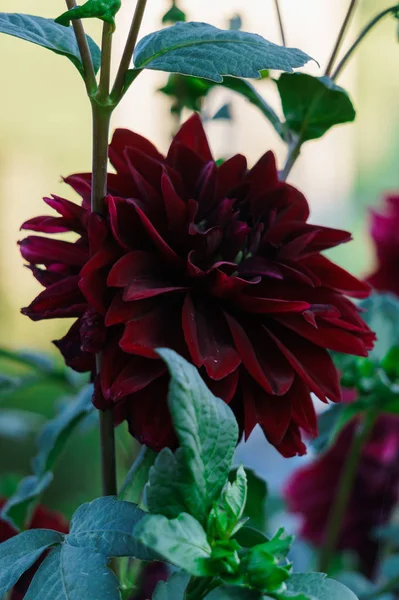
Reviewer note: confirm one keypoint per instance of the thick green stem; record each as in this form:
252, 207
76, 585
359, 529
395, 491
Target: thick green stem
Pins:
105, 75
129, 49
343, 492
280, 22
392, 10
88, 69
341, 36
294, 150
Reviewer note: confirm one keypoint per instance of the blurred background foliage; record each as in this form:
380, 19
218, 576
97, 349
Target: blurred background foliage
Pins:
45, 131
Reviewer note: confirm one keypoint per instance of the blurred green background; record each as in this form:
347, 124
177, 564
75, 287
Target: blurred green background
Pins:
45, 133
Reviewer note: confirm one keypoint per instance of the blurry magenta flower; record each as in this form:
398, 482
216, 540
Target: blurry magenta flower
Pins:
384, 231
216, 261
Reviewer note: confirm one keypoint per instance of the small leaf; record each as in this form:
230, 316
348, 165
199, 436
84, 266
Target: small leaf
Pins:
248, 537
224, 113
207, 431
202, 50
174, 15
224, 517
19, 553
318, 587
56, 432
181, 541
70, 573
48, 34
18, 507
173, 589
255, 507
98, 9
106, 525
312, 105
235, 23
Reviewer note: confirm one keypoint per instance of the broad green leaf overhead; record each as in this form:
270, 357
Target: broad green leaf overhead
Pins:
70, 573
318, 587
180, 541
106, 525
312, 105
207, 431
20, 552
173, 589
203, 50
48, 34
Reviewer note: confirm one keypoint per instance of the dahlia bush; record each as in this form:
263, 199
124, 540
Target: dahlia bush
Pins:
200, 305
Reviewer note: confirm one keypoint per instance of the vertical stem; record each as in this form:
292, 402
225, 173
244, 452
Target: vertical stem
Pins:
343, 493
89, 75
106, 48
129, 48
280, 22
341, 36
294, 150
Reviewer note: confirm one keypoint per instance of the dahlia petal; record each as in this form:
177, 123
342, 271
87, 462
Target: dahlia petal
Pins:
125, 224
303, 411
188, 164
224, 286
208, 340
123, 139
136, 375
46, 277
258, 353
62, 299
325, 336
192, 135
158, 328
38, 250
148, 416
71, 349
176, 208
292, 445
267, 305
81, 183
335, 277
47, 224
93, 332
312, 363
136, 265
156, 238
206, 189
67, 209
122, 312
294, 248
230, 174
146, 174
223, 388
113, 361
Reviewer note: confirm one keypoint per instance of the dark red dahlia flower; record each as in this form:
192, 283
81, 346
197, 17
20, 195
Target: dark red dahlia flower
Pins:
311, 489
42, 518
384, 231
216, 262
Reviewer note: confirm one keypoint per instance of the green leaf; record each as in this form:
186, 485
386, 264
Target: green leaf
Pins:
97, 9
18, 425
202, 50
256, 505
48, 34
106, 525
174, 15
390, 568
248, 537
70, 573
181, 541
18, 507
57, 432
318, 587
19, 553
208, 434
388, 533
382, 316
312, 105
227, 511
173, 589
356, 582
228, 592
331, 423
137, 477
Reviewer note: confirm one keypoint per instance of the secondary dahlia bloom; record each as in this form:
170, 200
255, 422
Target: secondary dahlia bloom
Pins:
42, 518
311, 490
216, 261
384, 231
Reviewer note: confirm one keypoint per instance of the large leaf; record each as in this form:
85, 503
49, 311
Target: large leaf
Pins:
207, 432
173, 589
17, 508
20, 552
106, 525
312, 105
181, 541
48, 34
56, 432
318, 587
202, 50
70, 573
228, 592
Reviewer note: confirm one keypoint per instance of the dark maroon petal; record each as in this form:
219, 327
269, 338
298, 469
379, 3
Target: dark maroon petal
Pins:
333, 276
70, 347
253, 304
158, 241
136, 375
62, 299
113, 361
230, 174
192, 135
125, 223
261, 358
120, 311
291, 445
81, 183
93, 333
39, 250
123, 139
176, 208
208, 339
